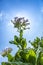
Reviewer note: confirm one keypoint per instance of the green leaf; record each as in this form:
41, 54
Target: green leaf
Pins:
23, 43
41, 43
35, 43
11, 42
5, 63
10, 58
17, 39
40, 59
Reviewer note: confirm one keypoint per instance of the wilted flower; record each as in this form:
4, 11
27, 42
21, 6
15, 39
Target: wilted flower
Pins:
6, 51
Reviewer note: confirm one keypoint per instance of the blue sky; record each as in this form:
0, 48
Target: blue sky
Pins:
31, 9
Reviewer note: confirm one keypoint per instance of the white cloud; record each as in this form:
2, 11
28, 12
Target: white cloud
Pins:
4, 16
1, 14
42, 9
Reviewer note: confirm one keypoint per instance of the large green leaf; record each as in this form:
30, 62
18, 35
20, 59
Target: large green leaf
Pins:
28, 56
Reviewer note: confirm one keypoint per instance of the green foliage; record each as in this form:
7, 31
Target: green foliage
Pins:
40, 59
10, 58
24, 55
32, 56
35, 43
17, 56
23, 43
5, 63
41, 42
15, 63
